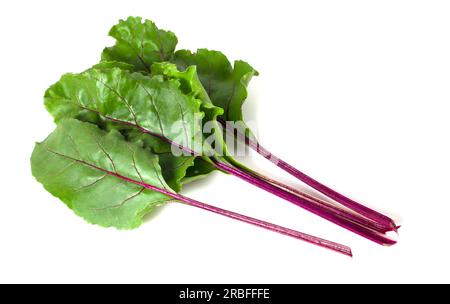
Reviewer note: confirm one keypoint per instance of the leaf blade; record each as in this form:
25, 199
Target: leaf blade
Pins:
83, 173
140, 43
226, 85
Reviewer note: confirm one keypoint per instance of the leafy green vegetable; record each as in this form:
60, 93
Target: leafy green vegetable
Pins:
146, 96
79, 164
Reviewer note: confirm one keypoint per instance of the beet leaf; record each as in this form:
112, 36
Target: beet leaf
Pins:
174, 107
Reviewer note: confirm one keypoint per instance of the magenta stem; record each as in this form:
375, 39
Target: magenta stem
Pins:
382, 219
272, 227
324, 213
243, 218
354, 217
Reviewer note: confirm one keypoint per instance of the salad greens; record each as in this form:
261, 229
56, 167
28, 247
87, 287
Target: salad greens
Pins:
148, 102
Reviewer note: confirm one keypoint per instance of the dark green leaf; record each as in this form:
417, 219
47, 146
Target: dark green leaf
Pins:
225, 85
200, 169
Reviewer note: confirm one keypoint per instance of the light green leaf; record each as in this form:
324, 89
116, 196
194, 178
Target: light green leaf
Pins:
140, 43
87, 169
150, 104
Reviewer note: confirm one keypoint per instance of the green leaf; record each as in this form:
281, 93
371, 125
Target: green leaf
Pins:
150, 104
87, 169
140, 43
225, 85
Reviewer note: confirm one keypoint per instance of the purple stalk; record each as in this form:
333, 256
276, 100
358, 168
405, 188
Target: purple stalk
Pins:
272, 227
354, 217
243, 218
346, 221
321, 204
382, 219
324, 213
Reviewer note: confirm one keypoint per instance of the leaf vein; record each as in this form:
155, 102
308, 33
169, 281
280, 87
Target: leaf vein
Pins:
158, 115
233, 92
91, 184
121, 204
134, 162
122, 98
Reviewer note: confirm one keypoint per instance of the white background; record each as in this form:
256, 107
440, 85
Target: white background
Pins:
355, 93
